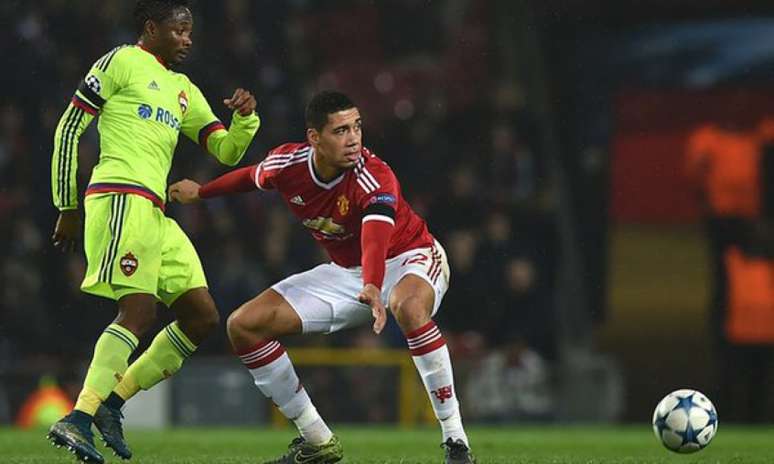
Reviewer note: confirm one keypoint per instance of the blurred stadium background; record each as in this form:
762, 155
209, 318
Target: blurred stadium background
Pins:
569, 154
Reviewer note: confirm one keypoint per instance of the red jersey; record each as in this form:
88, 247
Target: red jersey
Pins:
332, 211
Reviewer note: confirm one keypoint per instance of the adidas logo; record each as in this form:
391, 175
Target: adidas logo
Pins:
297, 200
153, 85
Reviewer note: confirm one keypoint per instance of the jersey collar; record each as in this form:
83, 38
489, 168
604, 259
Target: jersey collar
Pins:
325, 185
142, 47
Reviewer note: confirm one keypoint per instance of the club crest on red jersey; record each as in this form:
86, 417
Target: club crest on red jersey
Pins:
128, 264
342, 203
182, 98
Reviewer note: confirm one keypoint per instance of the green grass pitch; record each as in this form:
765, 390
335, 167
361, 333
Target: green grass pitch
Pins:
366, 445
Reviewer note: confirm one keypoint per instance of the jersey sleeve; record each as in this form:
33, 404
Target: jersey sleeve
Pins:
265, 177
269, 171
105, 78
236, 181
379, 191
202, 126
378, 200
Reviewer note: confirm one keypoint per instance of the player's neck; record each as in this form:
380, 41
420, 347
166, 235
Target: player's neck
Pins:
323, 171
150, 49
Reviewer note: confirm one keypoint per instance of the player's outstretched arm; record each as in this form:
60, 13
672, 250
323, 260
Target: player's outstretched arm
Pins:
236, 181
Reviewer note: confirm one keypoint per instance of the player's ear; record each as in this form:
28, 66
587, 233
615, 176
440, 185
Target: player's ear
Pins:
149, 30
312, 136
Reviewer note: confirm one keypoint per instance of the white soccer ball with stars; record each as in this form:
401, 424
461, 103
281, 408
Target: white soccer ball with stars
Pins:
685, 421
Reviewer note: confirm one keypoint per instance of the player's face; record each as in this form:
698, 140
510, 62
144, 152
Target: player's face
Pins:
339, 142
174, 36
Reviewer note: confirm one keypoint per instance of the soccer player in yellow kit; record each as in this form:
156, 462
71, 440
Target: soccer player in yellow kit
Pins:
136, 255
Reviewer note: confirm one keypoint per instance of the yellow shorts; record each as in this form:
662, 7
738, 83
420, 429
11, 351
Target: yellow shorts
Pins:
132, 247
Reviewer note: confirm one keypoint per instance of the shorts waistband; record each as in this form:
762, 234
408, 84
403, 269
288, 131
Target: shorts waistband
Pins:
126, 188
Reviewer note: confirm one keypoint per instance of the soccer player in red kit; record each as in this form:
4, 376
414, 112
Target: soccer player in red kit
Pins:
383, 256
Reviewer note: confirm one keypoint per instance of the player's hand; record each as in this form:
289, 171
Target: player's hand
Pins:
185, 191
372, 296
67, 230
242, 101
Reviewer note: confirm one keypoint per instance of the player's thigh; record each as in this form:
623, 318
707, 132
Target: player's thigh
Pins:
122, 241
325, 298
181, 269
422, 274
412, 293
268, 314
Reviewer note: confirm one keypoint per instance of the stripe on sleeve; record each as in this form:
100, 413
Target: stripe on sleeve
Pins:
84, 105
73, 152
366, 188
104, 62
60, 180
66, 153
204, 132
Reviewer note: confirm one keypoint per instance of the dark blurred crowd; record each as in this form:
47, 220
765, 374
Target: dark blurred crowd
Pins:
436, 106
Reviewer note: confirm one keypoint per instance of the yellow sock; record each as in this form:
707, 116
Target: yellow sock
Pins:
111, 354
127, 387
161, 360
88, 401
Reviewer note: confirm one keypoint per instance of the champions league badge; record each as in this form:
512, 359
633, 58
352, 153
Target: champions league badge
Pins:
93, 83
182, 98
128, 264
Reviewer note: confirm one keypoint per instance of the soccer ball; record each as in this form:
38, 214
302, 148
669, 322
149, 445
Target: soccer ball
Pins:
685, 421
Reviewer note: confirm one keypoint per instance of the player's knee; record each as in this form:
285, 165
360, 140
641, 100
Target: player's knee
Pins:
199, 321
234, 324
147, 319
137, 314
411, 313
209, 321
250, 320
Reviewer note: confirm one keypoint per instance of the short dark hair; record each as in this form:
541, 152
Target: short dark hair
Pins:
155, 10
323, 104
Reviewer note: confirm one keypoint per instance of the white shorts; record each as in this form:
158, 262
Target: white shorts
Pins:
325, 297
